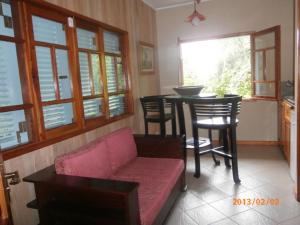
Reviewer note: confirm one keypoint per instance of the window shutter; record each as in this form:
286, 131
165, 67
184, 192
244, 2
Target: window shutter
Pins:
6, 20
57, 115
11, 132
45, 71
48, 31
114, 74
84, 74
111, 43
86, 39
110, 74
116, 105
7, 136
92, 108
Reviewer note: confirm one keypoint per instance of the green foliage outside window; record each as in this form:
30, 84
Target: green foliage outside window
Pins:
232, 67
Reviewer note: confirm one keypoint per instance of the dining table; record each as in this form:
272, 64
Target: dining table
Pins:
179, 101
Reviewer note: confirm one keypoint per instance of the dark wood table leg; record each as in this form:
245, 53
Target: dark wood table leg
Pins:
235, 171
182, 130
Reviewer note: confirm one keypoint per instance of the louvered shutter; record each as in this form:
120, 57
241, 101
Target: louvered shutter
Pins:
45, 71
85, 74
92, 108
116, 105
111, 43
111, 74
89, 63
52, 32
57, 115
10, 94
86, 39
48, 31
116, 83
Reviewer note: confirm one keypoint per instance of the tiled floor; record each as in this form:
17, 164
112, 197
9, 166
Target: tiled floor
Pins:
209, 200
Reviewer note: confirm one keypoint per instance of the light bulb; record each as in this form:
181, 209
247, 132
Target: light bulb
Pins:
196, 21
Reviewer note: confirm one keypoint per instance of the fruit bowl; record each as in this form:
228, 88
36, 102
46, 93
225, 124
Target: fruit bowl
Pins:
188, 90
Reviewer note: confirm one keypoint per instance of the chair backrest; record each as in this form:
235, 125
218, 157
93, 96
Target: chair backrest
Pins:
155, 104
227, 107
239, 103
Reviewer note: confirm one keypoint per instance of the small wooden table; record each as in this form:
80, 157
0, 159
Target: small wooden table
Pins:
178, 100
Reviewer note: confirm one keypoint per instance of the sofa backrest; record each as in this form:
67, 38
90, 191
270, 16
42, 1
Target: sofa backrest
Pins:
88, 161
101, 158
121, 147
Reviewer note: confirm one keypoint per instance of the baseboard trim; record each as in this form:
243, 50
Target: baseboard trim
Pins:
264, 143
258, 143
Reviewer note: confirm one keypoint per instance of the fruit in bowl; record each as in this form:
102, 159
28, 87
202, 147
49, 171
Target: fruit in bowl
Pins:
188, 90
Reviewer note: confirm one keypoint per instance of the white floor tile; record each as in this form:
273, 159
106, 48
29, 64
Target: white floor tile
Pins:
204, 215
227, 207
251, 217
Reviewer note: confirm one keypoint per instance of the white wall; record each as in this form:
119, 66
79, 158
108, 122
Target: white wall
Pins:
258, 119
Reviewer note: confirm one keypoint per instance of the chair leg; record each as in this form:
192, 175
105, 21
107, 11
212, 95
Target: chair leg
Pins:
225, 144
146, 128
235, 171
217, 162
196, 152
162, 129
174, 127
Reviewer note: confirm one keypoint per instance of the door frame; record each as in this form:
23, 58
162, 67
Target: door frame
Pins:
297, 91
5, 198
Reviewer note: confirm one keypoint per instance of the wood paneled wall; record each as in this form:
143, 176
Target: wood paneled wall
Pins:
130, 15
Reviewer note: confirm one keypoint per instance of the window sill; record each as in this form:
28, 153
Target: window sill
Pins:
29, 147
254, 99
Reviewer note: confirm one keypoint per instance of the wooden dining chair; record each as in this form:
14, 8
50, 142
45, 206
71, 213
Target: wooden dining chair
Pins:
157, 110
216, 114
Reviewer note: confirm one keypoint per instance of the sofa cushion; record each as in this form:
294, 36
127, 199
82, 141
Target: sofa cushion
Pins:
156, 178
89, 161
121, 147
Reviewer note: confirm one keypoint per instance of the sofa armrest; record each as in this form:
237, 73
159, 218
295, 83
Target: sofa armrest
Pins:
156, 146
98, 199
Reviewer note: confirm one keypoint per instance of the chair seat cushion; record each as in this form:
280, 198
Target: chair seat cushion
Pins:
156, 178
215, 123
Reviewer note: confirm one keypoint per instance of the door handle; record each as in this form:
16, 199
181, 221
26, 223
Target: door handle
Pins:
13, 177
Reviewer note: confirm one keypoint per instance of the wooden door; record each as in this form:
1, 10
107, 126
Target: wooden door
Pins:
5, 212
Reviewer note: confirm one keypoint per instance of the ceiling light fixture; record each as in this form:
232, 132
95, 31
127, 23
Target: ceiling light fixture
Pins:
195, 18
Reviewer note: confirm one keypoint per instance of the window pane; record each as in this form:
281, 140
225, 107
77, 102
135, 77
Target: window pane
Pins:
96, 73
92, 108
58, 115
45, 71
13, 129
110, 74
121, 75
265, 89
48, 31
270, 64
62, 61
6, 21
259, 65
86, 39
265, 41
85, 74
111, 42
116, 105
10, 87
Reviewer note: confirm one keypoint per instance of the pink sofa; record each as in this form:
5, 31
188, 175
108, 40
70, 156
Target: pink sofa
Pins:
152, 166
